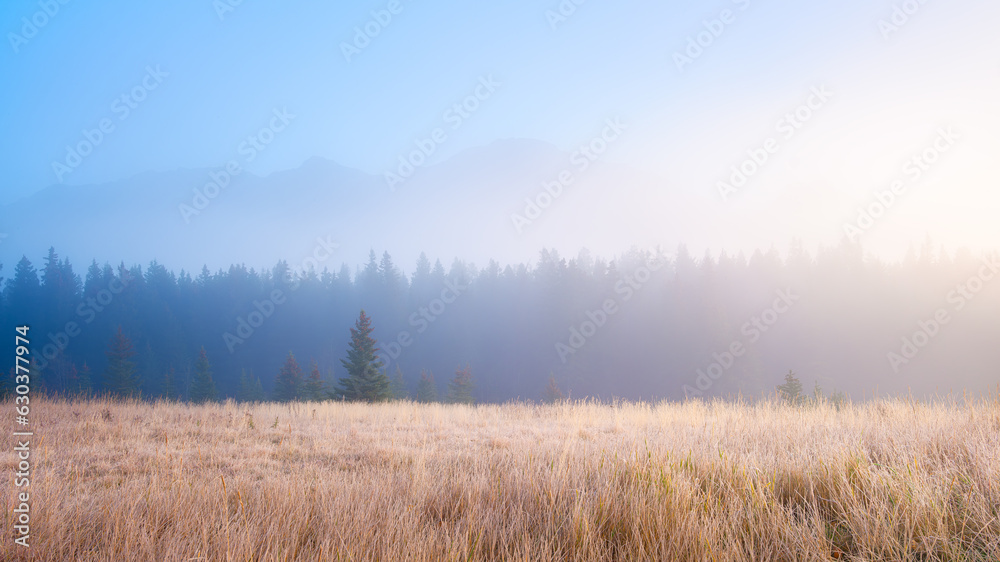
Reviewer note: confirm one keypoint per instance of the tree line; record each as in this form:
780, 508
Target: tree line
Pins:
581, 327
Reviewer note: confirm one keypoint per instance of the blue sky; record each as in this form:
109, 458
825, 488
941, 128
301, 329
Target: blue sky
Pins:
226, 75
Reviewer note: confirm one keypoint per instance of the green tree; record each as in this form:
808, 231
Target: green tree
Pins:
288, 383
398, 386
460, 387
119, 377
244, 392
552, 393
365, 380
315, 387
250, 389
791, 391
426, 390
817, 392
202, 385
257, 395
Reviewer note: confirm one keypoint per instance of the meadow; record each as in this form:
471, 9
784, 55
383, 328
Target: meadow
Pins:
888, 479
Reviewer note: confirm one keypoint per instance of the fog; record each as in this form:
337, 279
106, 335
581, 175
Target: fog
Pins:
637, 201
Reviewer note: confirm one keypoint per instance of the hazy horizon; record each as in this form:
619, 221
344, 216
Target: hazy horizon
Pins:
847, 95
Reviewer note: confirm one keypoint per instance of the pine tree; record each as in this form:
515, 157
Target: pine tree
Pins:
364, 381
791, 391
398, 386
257, 392
314, 387
23, 292
426, 391
202, 385
119, 377
552, 393
250, 389
460, 387
288, 383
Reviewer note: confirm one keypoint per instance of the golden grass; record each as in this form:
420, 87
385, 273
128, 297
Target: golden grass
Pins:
888, 480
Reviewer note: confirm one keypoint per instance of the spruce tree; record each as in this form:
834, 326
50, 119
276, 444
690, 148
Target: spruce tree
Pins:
817, 392
426, 391
364, 381
314, 386
202, 385
288, 383
460, 387
552, 393
257, 394
398, 386
119, 377
791, 391
250, 389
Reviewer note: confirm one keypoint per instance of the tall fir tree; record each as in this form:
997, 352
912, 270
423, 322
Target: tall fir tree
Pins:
460, 387
202, 385
791, 391
552, 394
250, 388
119, 377
398, 386
288, 383
365, 380
426, 390
23, 294
315, 388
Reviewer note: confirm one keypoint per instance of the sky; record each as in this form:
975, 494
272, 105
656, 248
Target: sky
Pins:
898, 78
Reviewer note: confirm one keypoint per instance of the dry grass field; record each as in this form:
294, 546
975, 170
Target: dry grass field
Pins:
889, 480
